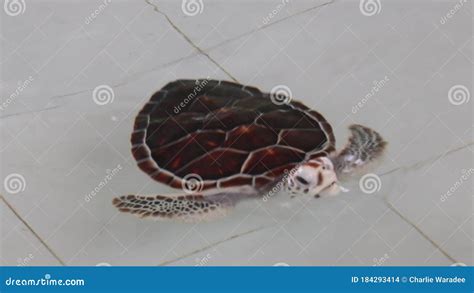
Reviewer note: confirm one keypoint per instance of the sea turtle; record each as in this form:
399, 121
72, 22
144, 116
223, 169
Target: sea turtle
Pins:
221, 142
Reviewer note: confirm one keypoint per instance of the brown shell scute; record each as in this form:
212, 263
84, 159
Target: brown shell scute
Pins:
281, 119
229, 118
228, 134
215, 164
265, 159
303, 139
196, 144
250, 137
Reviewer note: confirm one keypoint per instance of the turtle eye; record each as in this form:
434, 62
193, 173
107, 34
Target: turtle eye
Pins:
326, 167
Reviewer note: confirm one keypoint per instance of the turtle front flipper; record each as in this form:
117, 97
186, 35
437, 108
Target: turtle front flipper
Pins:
188, 208
365, 146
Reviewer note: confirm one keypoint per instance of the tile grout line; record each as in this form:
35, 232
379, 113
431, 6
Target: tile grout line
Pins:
211, 245
32, 231
423, 234
155, 8
30, 111
119, 84
200, 51
414, 226
262, 27
430, 159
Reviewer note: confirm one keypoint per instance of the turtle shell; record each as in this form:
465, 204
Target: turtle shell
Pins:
226, 134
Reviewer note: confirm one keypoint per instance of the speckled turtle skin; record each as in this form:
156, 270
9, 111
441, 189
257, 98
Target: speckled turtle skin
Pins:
229, 134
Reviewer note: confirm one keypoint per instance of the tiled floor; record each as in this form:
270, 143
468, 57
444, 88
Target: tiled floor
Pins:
60, 145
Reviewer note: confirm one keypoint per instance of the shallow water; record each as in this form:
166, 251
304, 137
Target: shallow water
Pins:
401, 71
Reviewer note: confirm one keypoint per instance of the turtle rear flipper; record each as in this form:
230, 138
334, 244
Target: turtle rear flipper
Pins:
188, 208
365, 146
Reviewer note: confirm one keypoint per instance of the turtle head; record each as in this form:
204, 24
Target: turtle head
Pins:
315, 177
